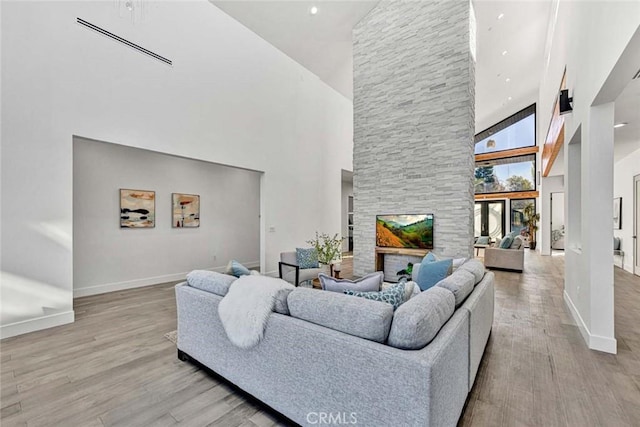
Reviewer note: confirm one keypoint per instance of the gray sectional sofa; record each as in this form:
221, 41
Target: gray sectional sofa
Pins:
351, 360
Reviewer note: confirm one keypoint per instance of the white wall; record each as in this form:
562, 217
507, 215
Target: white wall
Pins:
623, 172
588, 38
107, 257
230, 98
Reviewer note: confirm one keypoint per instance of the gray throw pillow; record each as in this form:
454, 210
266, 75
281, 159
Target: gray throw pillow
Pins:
369, 283
517, 243
210, 281
418, 321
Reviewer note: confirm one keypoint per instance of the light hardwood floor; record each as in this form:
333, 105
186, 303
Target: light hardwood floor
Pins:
114, 367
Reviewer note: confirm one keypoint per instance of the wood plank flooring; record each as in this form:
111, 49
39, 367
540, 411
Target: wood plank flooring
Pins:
113, 367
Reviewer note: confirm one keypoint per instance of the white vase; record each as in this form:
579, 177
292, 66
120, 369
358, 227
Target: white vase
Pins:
325, 269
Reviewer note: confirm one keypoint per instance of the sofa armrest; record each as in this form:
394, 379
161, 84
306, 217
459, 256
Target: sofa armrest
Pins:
281, 263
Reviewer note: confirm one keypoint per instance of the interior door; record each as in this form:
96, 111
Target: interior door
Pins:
636, 224
489, 219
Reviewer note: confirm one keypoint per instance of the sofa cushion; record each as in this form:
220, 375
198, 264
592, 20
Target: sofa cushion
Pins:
210, 281
475, 267
354, 316
393, 295
418, 320
307, 258
432, 272
506, 242
460, 283
234, 268
369, 283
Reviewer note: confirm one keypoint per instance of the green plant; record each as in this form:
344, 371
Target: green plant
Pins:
328, 248
531, 219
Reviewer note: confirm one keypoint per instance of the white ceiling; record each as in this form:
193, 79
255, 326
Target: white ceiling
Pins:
321, 43
521, 32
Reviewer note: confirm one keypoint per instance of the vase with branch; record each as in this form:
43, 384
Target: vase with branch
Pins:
329, 248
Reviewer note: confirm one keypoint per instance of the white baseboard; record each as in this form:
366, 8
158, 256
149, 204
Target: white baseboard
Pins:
37, 324
605, 344
594, 342
147, 281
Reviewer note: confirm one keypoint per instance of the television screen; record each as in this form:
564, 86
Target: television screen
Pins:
405, 231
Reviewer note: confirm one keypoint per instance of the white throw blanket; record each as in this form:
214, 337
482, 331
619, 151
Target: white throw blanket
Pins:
245, 309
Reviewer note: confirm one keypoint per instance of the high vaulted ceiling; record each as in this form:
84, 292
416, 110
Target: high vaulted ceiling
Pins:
511, 38
322, 43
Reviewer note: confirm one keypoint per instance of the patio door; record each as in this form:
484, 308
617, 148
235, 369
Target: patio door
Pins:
489, 219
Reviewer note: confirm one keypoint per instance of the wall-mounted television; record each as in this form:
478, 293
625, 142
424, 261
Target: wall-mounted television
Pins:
404, 231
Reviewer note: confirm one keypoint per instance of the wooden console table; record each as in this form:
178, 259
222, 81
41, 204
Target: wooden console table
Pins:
381, 252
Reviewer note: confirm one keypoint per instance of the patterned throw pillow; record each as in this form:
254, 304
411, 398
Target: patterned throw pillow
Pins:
307, 257
393, 295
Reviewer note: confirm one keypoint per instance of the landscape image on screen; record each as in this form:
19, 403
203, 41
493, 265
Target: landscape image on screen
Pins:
405, 231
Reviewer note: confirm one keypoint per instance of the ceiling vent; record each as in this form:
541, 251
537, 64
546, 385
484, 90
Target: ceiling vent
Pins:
123, 41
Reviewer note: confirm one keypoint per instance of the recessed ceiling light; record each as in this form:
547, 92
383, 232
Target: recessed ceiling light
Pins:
504, 52
509, 99
313, 10
507, 80
501, 16
619, 125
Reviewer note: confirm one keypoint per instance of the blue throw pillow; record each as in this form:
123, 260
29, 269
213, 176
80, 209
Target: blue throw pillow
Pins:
482, 240
430, 257
506, 242
237, 269
393, 295
307, 257
432, 272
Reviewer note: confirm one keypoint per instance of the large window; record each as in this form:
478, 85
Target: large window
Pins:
507, 174
517, 131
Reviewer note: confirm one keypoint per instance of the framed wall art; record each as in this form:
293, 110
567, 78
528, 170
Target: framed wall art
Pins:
137, 208
617, 213
186, 210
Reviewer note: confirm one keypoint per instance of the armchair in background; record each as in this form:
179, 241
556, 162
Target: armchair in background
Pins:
290, 271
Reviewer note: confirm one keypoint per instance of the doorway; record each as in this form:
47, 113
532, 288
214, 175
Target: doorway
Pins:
557, 221
489, 219
636, 224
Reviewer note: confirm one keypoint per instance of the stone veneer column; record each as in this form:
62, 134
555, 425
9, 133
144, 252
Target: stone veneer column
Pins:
414, 84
